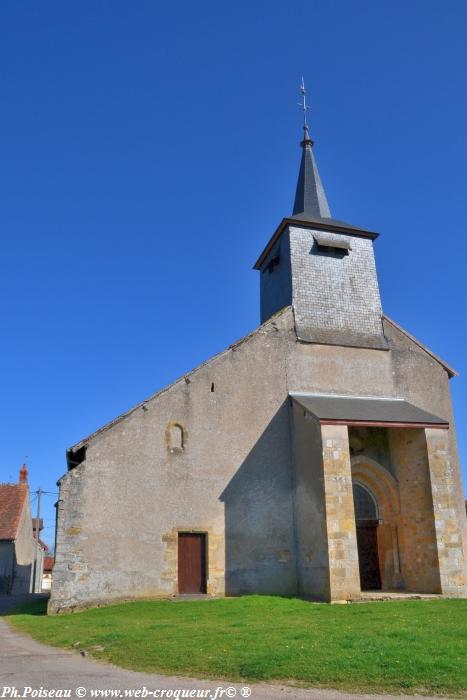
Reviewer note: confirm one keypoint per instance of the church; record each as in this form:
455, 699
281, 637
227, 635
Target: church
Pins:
315, 457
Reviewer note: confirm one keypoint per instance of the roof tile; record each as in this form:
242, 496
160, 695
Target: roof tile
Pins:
12, 499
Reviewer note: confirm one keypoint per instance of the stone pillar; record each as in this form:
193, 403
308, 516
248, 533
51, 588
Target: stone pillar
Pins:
344, 578
446, 517
415, 526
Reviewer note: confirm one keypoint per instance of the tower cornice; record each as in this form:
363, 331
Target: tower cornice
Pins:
321, 224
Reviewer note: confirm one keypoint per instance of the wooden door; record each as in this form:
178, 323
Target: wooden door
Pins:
191, 562
368, 561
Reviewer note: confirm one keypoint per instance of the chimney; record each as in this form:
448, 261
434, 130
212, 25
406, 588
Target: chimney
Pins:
23, 474
37, 522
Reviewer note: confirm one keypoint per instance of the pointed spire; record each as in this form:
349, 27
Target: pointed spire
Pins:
310, 197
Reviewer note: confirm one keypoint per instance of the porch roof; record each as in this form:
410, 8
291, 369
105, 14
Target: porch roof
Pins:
367, 411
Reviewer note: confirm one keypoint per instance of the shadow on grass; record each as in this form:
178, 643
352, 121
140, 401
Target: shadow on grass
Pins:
38, 606
33, 607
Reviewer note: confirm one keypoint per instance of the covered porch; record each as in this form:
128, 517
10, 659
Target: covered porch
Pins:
375, 499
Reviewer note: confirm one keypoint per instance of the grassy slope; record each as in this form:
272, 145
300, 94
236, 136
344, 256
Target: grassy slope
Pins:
395, 646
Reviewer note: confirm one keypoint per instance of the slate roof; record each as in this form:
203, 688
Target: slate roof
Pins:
12, 500
311, 208
366, 410
310, 197
330, 224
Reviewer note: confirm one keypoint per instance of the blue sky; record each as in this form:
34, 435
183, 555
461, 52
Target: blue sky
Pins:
147, 152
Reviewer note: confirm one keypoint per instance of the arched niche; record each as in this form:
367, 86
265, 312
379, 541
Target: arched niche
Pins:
175, 436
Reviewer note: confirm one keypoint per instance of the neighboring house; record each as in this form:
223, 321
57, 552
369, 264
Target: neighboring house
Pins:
317, 456
17, 544
47, 575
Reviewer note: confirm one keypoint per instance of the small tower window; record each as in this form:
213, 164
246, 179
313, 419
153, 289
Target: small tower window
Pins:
273, 260
273, 263
331, 244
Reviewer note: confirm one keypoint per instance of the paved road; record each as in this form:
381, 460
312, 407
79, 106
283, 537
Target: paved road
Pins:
26, 663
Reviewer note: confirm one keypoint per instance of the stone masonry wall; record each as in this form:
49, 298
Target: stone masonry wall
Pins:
446, 521
121, 509
71, 569
420, 379
344, 577
416, 529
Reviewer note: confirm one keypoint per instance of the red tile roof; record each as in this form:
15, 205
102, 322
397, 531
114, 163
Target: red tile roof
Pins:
12, 499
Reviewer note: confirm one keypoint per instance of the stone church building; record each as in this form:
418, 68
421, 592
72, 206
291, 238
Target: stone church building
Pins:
315, 457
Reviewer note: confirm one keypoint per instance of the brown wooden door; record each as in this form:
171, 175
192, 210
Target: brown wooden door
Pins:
191, 562
368, 561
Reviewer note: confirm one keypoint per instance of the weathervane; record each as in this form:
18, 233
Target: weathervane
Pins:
303, 103
306, 136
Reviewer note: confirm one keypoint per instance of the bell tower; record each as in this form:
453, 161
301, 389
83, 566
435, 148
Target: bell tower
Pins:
324, 268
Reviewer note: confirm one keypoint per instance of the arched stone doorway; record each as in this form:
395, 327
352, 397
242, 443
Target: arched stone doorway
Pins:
376, 504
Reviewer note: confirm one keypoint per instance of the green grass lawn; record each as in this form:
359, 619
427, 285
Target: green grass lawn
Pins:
403, 646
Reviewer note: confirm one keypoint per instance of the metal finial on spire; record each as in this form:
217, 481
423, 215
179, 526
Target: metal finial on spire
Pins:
306, 136
303, 103
310, 198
